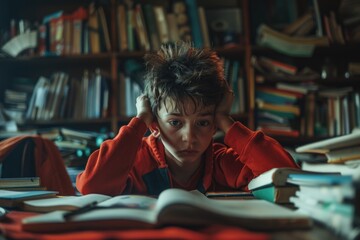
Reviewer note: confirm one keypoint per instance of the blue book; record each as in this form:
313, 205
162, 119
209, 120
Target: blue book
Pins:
14, 199
274, 98
319, 179
193, 13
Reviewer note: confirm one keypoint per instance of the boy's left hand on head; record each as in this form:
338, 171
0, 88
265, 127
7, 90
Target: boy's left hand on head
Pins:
222, 111
144, 110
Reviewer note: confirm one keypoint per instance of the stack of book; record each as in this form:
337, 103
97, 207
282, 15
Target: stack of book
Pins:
342, 154
278, 111
271, 68
289, 45
274, 186
330, 200
74, 145
14, 191
16, 97
15, 199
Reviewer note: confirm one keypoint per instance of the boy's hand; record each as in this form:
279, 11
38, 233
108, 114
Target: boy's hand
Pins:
143, 108
222, 113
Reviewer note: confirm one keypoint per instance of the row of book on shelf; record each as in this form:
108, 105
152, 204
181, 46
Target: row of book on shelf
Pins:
58, 97
62, 96
307, 109
138, 27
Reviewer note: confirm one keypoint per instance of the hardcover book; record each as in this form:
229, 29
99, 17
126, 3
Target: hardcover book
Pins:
14, 199
19, 182
325, 146
273, 177
280, 195
274, 185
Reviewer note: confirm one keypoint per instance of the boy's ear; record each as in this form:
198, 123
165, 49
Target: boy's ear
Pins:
154, 129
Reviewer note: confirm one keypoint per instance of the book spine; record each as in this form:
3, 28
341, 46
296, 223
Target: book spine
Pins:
195, 22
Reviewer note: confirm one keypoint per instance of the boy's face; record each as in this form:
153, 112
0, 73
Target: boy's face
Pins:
185, 134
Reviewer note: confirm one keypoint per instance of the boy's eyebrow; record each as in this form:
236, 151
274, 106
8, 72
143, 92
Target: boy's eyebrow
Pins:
205, 113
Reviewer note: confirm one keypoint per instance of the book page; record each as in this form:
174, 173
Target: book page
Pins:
111, 218
63, 203
130, 201
179, 207
179, 196
236, 208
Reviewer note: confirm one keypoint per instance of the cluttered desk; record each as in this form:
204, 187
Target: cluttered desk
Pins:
175, 214
284, 204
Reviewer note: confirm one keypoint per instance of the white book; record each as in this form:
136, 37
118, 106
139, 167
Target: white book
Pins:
325, 146
351, 167
275, 176
343, 154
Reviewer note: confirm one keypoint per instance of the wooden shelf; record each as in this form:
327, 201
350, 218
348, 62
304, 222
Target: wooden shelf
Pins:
111, 63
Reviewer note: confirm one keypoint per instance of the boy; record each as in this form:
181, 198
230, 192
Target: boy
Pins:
186, 99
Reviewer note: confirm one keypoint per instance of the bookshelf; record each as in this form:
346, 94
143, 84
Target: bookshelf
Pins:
329, 88
112, 61
239, 46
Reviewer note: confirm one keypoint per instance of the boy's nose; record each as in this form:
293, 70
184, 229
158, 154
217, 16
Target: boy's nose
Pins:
189, 135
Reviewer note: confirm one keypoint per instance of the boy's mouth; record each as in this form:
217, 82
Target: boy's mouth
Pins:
188, 152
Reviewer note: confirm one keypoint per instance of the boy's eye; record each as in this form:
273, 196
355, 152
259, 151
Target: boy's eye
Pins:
175, 123
203, 123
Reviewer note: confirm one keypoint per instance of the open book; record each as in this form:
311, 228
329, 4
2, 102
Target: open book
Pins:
173, 207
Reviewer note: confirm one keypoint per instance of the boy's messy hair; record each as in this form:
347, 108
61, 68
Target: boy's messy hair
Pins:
181, 72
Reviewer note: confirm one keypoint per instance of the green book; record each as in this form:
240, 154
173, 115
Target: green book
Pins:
276, 194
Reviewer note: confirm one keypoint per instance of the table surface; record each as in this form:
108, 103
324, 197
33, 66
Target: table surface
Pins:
11, 228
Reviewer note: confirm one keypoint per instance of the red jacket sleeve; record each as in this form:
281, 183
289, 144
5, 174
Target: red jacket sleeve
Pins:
257, 153
107, 171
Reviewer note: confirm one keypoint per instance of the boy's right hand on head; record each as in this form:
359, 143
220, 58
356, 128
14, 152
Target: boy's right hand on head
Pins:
223, 118
143, 108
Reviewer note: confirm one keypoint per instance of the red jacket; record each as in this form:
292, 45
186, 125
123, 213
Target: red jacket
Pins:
133, 164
